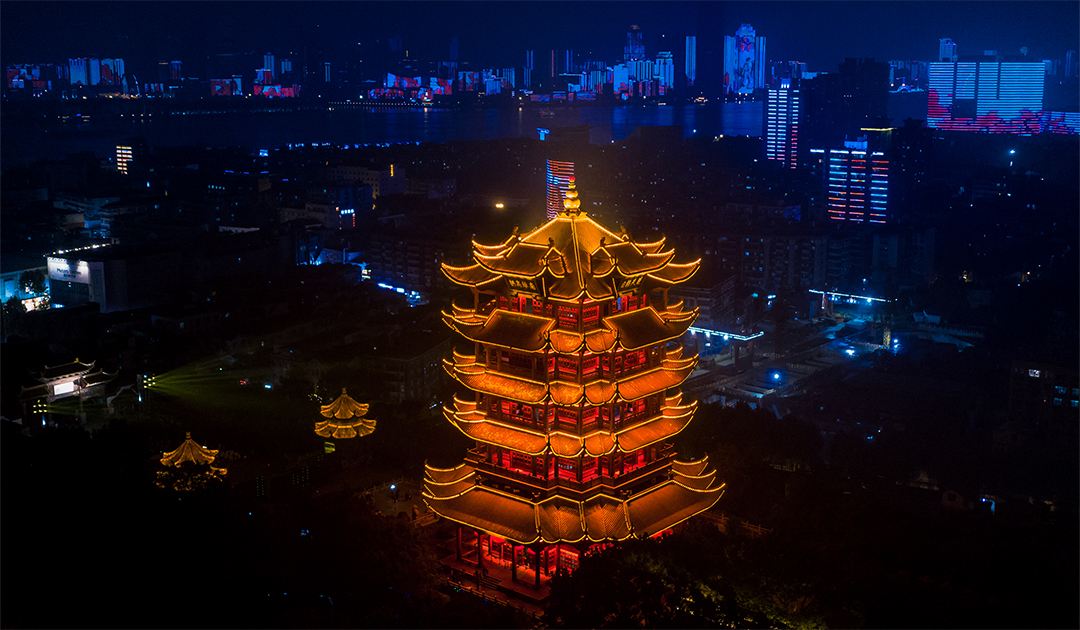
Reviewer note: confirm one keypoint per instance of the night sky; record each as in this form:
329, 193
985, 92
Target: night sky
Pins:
821, 34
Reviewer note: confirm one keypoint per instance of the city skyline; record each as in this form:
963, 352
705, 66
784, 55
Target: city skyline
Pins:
820, 34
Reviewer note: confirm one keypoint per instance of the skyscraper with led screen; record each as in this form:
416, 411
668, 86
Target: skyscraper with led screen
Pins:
986, 96
782, 124
744, 62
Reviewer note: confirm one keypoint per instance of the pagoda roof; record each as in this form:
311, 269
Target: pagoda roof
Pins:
189, 452
557, 518
672, 418
65, 369
573, 257
671, 372
344, 419
629, 330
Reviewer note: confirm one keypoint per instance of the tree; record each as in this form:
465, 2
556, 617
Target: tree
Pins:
12, 316
32, 281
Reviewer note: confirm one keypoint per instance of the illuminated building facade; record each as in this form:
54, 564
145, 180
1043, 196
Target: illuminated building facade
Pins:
572, 367
782, 124
857, 187
634, 49
946, 49
744, 62
986, 97
125, 155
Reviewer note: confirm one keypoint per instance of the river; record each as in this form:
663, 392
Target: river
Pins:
254, 130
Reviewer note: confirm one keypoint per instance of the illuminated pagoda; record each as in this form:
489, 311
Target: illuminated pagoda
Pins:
189, 467
573, 375
344, 419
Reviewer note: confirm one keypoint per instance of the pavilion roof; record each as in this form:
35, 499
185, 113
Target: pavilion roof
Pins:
189, 452
571, 257
558, 518
344, 419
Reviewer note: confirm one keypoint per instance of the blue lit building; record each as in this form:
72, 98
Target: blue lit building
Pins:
857, 183
782, 124
690, 61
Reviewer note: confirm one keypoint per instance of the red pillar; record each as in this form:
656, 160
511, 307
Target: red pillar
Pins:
459, 543
537, 567
479, 550
513, 562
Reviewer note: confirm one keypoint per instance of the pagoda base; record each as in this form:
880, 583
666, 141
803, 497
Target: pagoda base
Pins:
486, 562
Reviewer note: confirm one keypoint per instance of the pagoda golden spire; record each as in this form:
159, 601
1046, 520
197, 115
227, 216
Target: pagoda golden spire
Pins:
571, 205
344, 419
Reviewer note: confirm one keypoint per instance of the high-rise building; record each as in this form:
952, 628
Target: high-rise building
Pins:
77, 71
947, 49
557, 177
986, 97
326, 72
690, 61
566, 61
93, 71
857, 183
839, 104
125, 156
744, 62
176, 70
634, 49
664, 72
1071, 68
782, 124
527, 70
268, 63
562, 148
571, 399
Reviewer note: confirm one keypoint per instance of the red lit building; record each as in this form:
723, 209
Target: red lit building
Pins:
572, 364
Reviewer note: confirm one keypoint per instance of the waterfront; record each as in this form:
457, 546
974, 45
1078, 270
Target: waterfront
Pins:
268, 129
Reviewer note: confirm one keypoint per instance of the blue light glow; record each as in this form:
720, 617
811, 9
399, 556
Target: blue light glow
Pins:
776, 376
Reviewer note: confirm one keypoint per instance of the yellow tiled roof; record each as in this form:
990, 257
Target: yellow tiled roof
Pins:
475, 424
576, 255
189, 452
630, 330
562, 519
671, 372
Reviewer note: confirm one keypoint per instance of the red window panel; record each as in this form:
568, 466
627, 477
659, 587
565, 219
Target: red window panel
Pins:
633, 461
568, 367
568, 317
632, 360
521, 463
590, 469
590, 365
590, 315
